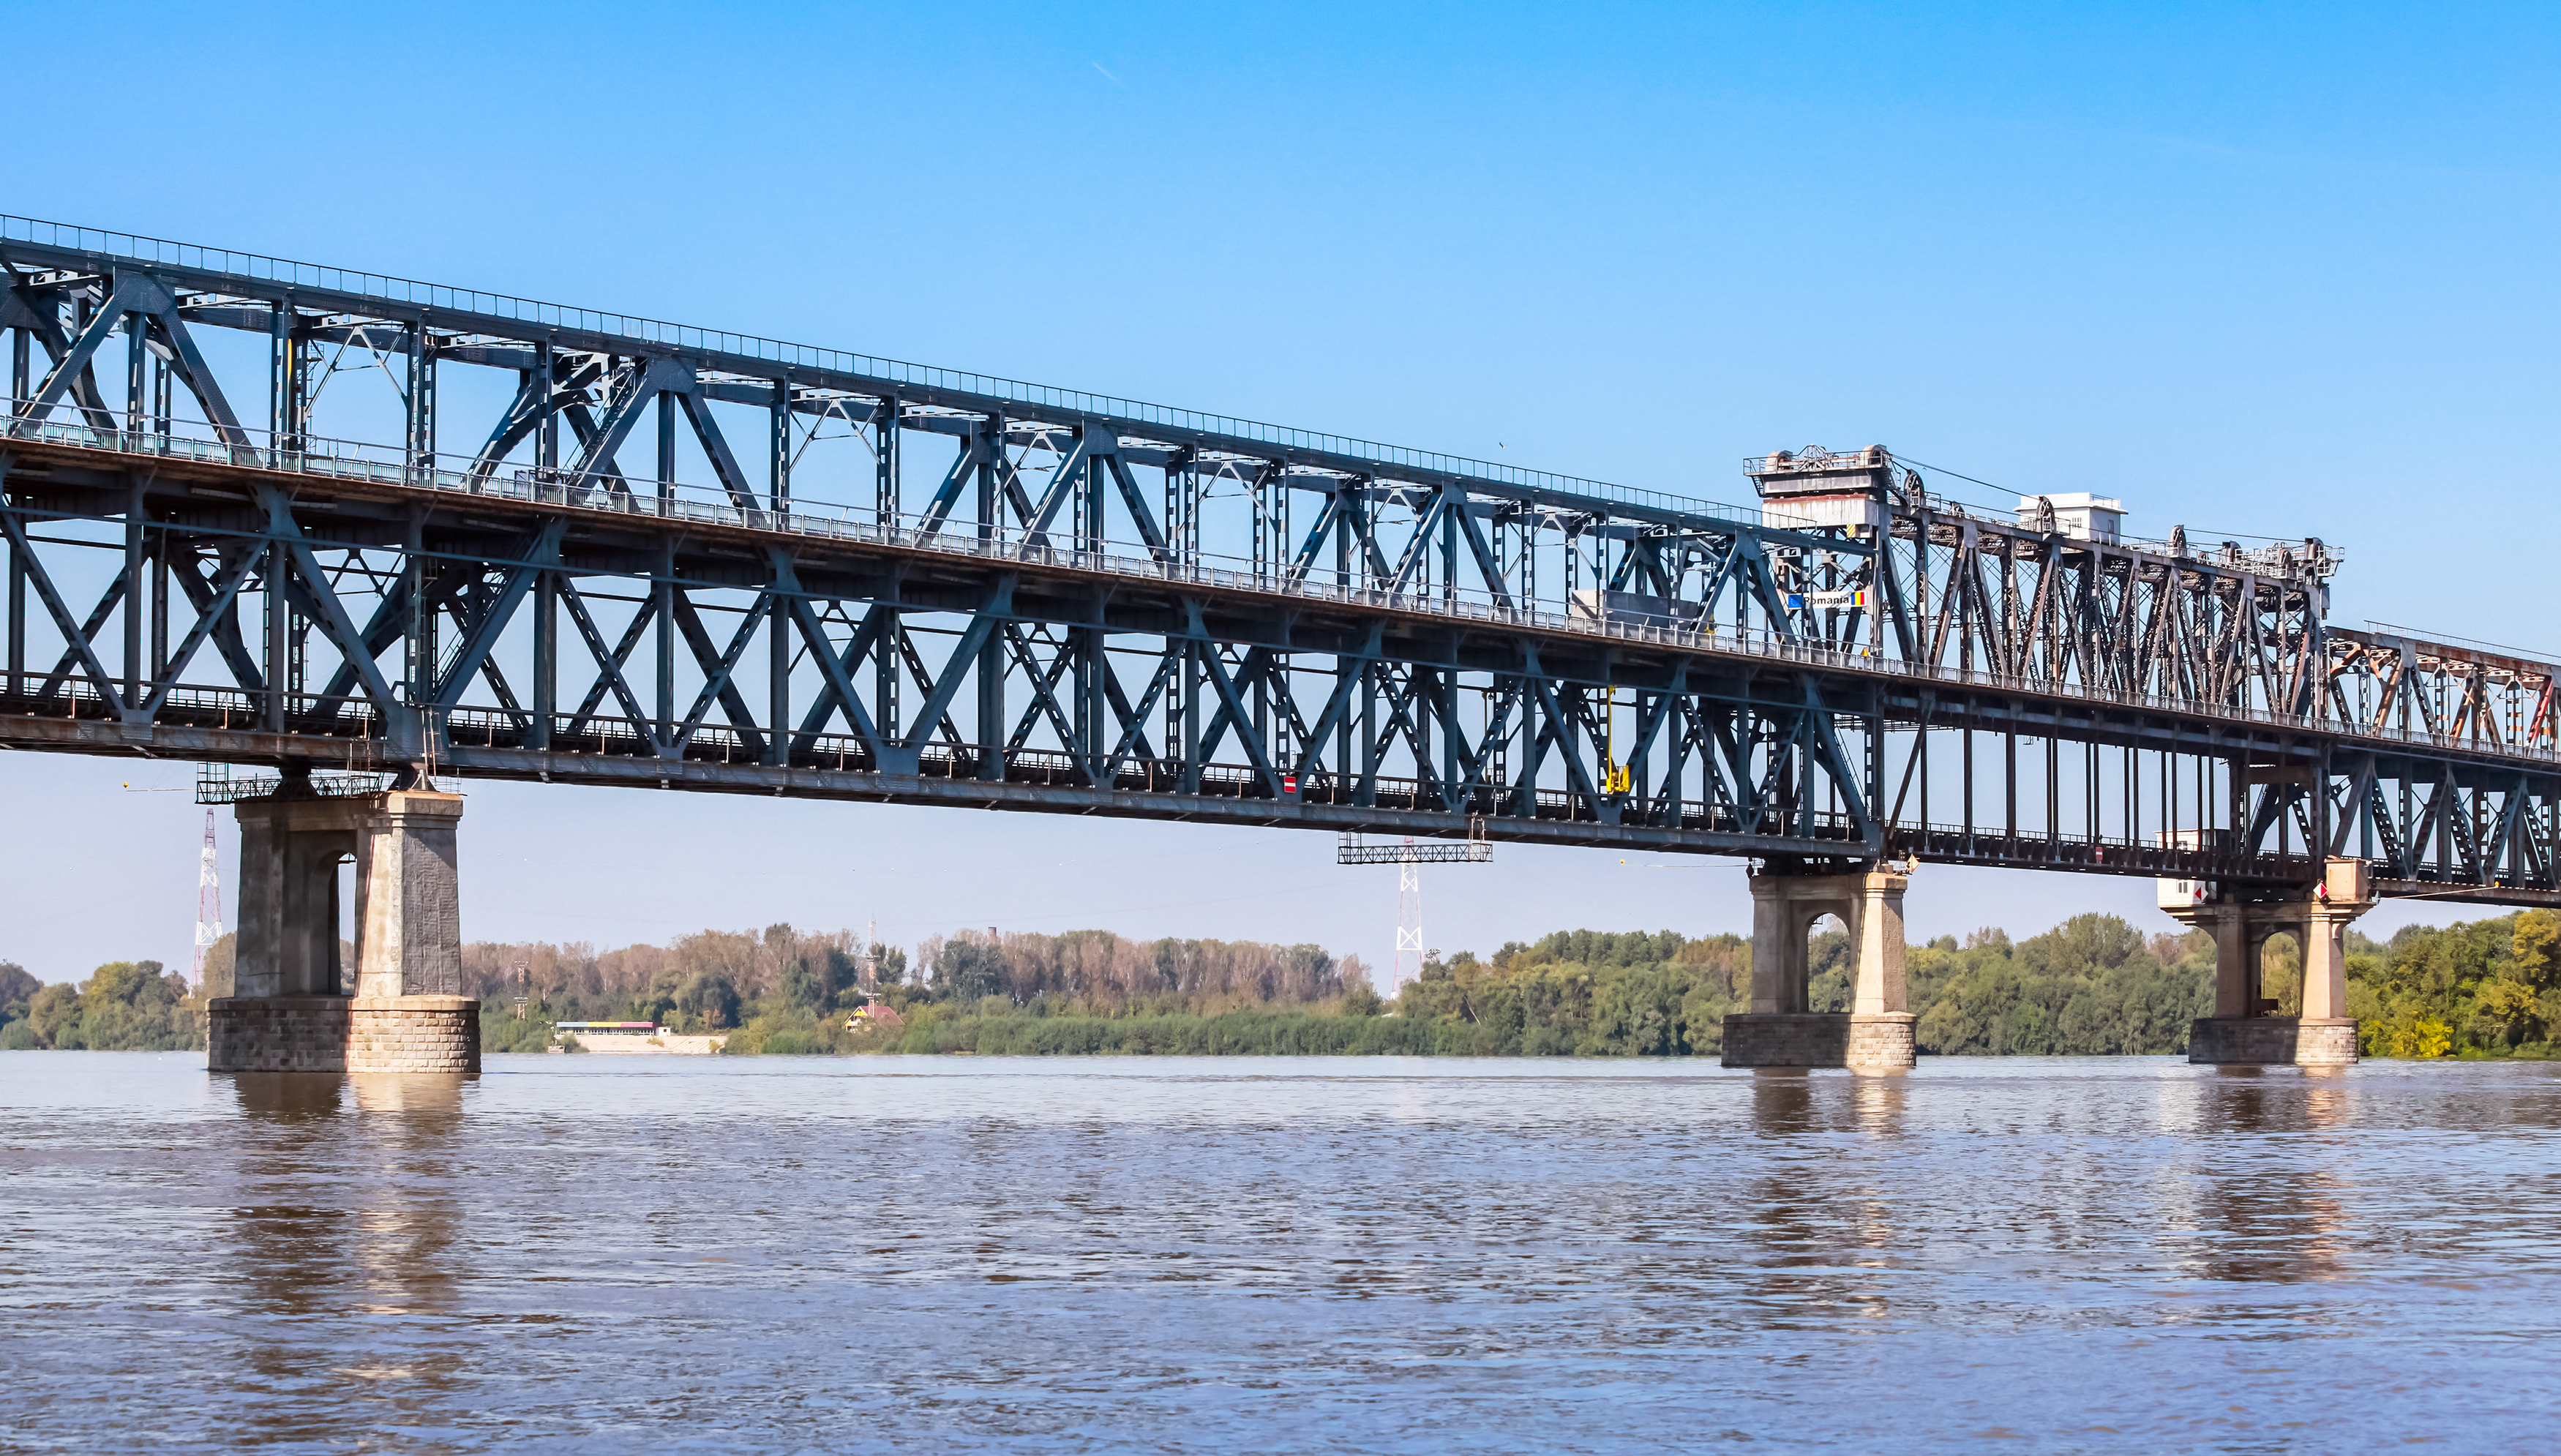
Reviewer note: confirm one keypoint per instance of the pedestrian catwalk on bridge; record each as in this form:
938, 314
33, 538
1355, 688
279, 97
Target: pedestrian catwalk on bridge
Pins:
475, 535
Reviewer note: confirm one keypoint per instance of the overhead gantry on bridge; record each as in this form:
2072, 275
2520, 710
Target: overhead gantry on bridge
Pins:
263, 513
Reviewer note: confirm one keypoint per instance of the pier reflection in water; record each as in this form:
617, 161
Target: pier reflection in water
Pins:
1273, 1254
347, 1217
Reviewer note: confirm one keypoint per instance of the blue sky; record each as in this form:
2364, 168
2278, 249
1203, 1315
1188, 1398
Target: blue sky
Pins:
2277, 271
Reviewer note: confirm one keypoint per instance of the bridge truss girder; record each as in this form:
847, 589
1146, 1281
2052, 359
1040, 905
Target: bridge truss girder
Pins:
1396, 643
287, 618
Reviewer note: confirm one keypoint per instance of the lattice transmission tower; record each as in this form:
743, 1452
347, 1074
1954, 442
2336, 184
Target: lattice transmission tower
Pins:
1409, 922
208, 900
1409, 859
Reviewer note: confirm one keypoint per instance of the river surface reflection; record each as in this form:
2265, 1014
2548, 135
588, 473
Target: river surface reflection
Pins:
612, 1253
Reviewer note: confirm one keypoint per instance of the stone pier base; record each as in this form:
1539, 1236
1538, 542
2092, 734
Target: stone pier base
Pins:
1879, 1042
2273, 1040
339, 1033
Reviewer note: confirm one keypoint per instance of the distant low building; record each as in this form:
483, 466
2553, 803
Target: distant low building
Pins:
876, 1014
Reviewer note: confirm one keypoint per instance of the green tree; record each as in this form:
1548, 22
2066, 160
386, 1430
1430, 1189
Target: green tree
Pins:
970, 971
17, 989
2535, 946
54, 1014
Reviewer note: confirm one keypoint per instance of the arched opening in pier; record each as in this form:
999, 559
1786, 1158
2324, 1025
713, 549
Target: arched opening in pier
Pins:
2280, 973
1831, 965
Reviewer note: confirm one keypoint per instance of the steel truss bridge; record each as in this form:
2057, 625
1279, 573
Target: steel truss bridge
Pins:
581, 548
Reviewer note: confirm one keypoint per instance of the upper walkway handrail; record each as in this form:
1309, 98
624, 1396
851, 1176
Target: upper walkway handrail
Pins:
411, 294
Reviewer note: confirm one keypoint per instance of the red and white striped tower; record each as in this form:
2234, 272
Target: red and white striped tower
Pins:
208, 900
1409, 918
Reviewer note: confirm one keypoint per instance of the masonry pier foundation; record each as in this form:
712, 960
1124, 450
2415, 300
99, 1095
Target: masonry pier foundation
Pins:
297, 1006
1781, 1030
2245, 1028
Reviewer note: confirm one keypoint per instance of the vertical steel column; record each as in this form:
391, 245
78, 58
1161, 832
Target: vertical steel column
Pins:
889, 656
418, 646
2236, 789
1187, 746
990, 440
777, 686
1262, 523
666, 449
885, 460
1873, 720
136, 358
1366, 792
2053, 792
1533, 747
779, 447
281, 384
990, 667
1346, 494
1454, 797
161, 416
1088, 502
1529, 569
546, 385
1262, 725
1453, 501
2010, 786
17, 621
546, 607
991, 707
279, 647
662, 594
1093, 713
2169, 798
1182, 506
1282, 539
160, 608
1342, 534
135, 557
2317, 817
888, 650
420, 431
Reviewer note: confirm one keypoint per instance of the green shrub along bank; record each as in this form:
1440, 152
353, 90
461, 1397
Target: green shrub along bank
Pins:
2092, 986
124, 1005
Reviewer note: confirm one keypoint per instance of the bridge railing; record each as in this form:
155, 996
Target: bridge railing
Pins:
283, 275
389, 465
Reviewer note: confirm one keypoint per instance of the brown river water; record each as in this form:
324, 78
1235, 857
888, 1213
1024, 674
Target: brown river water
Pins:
575, 1254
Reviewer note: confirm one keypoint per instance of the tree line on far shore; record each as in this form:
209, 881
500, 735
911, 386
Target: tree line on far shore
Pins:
2092, 986
123, 1006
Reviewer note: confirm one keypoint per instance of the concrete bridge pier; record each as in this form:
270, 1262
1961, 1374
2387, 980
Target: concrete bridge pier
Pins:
294, 1007
2245, 1028
1875, 1034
